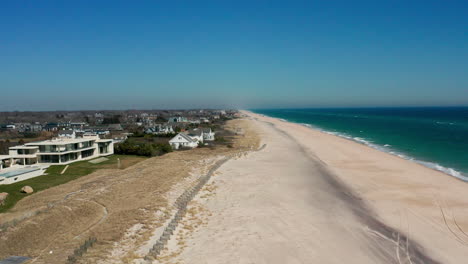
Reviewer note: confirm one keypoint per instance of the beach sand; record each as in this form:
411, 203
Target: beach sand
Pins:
311, 197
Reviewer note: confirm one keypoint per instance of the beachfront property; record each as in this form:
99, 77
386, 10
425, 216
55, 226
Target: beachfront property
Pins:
65, 149
31, 159
182, 140
192, 138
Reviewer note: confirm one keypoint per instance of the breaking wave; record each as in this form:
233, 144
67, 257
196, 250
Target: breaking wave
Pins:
386, 148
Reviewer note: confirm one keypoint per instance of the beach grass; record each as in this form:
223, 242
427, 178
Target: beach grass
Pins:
52, 177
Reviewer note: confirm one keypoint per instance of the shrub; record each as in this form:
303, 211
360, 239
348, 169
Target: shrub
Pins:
142, 149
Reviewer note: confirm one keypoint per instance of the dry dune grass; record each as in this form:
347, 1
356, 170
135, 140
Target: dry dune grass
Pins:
106, 204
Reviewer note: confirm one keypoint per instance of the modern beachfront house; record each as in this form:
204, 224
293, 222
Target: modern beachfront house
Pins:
65, 149
62, 150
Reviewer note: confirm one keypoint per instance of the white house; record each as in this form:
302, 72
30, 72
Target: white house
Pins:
208, 135
196, 134
30, 160
202, 134
192, 138
182, 140
62, 150
178, 119
160, 130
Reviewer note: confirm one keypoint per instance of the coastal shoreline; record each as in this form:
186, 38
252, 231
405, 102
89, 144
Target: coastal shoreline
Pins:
406, 189
383, 148
314, 197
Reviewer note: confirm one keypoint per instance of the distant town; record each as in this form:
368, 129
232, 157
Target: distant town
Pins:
32, 141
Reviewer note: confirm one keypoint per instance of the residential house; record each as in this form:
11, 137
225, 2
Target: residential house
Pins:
31, 159
51, 127
208, 135
192, 138
177, 119
8, 127
182, 140
160, 129
65, 149
34, 128
196, 134
202, 134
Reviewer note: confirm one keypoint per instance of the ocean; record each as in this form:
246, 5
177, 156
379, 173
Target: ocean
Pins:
436, 137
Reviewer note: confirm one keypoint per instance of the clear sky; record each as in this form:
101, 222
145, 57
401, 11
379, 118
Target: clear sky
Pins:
95, 54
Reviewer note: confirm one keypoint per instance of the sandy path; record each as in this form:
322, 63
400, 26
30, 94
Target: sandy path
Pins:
282, 205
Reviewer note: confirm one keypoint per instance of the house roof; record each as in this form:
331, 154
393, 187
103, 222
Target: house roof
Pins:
195, 132
206, 130
65, 132
184, 136
114, 127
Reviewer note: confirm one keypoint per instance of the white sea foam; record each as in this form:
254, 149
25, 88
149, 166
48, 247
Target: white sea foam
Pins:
386, 148
307, 125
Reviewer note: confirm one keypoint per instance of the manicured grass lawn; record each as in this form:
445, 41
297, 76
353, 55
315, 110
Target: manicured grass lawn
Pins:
54, 178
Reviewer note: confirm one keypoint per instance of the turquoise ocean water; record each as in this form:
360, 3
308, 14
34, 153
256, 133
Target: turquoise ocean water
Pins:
436, 137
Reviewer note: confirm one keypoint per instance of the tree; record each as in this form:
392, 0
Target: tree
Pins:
115, 119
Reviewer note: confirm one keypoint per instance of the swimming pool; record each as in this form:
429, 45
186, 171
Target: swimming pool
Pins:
17, 172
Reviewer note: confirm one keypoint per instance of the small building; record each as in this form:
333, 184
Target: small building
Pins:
33, 128
51, 127
208, 134
177, 119
160, 129
182, 140
7, 127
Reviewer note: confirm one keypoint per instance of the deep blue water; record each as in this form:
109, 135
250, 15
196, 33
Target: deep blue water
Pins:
436, 137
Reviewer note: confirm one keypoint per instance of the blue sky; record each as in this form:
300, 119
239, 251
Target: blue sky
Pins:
247, 54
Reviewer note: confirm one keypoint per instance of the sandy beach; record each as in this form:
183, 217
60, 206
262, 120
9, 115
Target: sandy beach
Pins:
311, 197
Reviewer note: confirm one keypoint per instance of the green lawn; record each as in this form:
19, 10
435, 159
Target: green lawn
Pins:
54, 178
